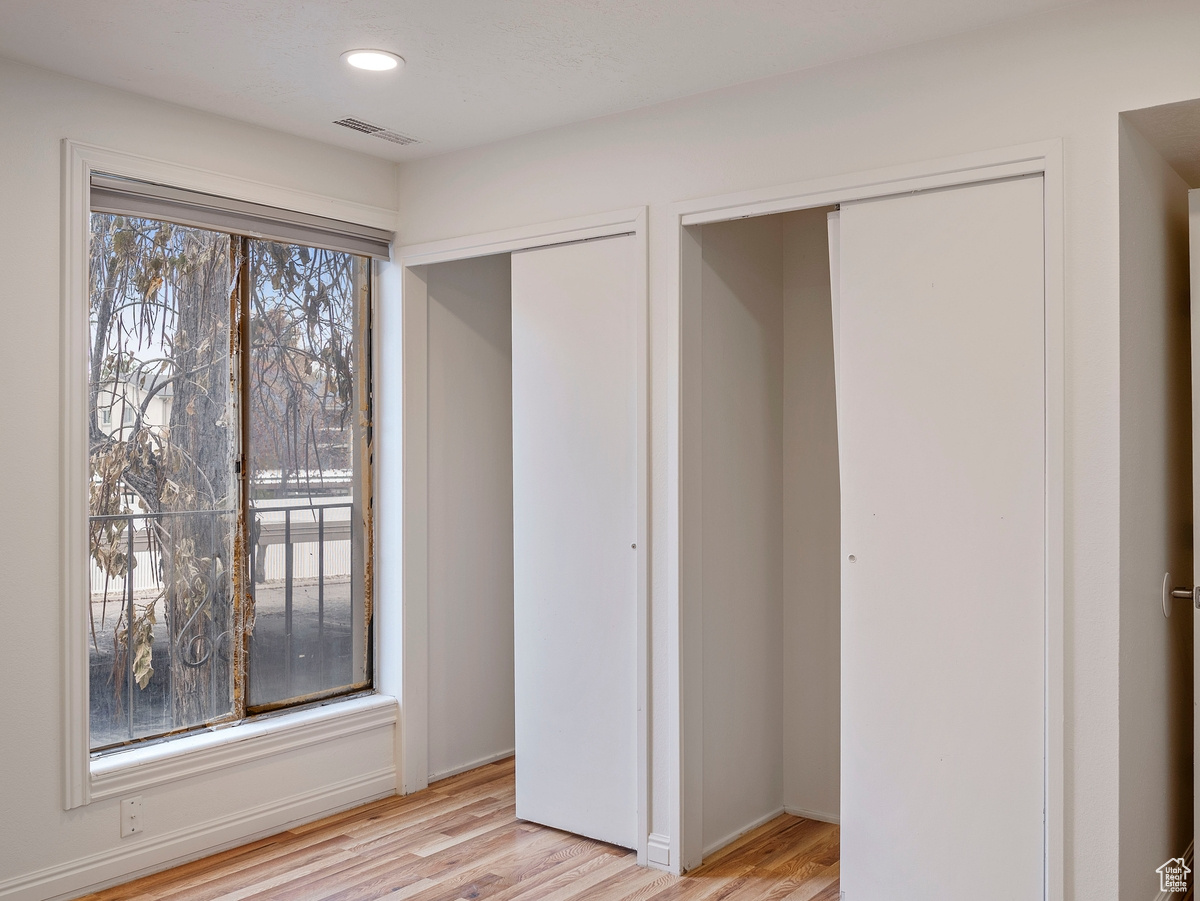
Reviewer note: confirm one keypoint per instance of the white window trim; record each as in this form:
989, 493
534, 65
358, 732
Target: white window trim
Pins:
88, 779
144, 766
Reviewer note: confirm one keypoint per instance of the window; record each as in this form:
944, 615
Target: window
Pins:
229, 514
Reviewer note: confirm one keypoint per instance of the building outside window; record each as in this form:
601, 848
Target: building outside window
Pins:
229, 520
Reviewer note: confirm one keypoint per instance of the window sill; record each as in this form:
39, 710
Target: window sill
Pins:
192, 755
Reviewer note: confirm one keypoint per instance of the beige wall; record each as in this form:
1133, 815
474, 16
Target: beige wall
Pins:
1065, 75
47, 850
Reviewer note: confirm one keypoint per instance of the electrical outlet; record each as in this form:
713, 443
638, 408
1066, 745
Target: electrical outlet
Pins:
131, 816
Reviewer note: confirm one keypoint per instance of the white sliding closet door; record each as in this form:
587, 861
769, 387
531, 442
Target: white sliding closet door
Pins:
575, 377
941, 400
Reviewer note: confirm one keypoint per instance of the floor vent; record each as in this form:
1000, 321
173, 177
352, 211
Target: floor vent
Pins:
376, 131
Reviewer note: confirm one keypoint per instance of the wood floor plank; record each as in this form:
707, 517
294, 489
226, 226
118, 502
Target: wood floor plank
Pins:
460, 840
652, 886
376, 866
577, 882
749, 839
298, 875
414, 817
221, 883
506, 843
566, 859
819, 889
624, 883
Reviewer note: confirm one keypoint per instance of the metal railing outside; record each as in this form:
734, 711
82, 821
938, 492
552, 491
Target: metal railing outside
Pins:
291, 527
293, 541
144, 579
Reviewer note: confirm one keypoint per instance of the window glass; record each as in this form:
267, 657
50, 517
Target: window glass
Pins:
229, 451
306, 417
163, 496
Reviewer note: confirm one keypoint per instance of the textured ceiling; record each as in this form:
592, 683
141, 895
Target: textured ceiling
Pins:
478, 70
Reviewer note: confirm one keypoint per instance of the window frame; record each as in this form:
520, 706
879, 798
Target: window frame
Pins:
88, 777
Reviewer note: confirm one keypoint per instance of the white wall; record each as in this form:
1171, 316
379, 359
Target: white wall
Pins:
1065, 75
812, 528
1156, 513
470, 513
47, 850
742, 561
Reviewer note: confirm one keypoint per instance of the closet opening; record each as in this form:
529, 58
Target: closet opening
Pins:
470, 514
869, 486
526, 385
765, 552
1159, 168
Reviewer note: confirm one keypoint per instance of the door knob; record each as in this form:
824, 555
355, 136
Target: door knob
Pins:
1181, 594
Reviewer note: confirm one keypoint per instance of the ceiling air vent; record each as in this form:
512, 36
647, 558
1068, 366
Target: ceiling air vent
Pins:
376, 131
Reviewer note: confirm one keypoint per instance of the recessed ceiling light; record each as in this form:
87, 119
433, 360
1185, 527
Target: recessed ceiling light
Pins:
373, 60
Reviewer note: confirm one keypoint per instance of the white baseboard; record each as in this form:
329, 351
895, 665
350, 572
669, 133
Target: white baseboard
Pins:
159, 852
738, 833
1189, 858
658, 851
813, 815
474, 764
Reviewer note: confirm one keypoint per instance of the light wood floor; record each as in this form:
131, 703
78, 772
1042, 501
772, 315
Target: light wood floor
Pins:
460, 839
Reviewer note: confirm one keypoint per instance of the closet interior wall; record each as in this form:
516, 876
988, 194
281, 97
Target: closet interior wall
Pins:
770, 523
1159, 163
471, 718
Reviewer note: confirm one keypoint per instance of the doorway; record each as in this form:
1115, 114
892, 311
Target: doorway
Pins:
770, 523
486, 526
887, 350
